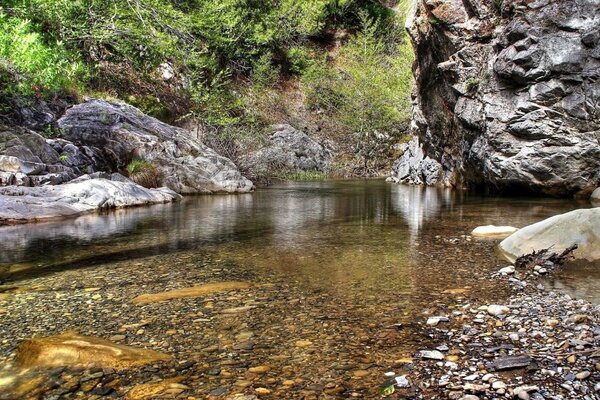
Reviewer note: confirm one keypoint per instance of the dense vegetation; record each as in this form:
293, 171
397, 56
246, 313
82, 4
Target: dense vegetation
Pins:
339, 67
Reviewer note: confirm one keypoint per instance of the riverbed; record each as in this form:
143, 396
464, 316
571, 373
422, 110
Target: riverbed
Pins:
339, 275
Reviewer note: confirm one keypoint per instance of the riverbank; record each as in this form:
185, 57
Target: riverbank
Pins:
537, 344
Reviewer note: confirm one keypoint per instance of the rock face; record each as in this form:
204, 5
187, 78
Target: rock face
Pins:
122, 133
595, 198
19, 204
581, 227
508, 95
289, 150
102, 136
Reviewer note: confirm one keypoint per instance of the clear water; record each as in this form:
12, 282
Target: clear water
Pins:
352, 238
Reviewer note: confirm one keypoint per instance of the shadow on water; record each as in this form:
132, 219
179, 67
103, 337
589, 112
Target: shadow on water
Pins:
366, 234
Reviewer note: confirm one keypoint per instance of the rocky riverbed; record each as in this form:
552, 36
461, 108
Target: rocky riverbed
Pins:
536, 345
241, 334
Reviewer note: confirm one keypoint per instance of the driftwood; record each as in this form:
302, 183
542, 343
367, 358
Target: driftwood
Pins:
542, 256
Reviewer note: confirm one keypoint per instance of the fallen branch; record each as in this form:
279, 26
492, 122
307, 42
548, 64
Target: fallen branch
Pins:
542, 256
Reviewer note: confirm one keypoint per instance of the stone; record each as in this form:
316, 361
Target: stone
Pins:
583, 375
402, 381
492, 231
190, 292
289, 149
261, 369
495, 309
431, 354
595, 197
581, 227
511, 362
81, 351
262, 391
433, 321
515, 102
118, 132
42, 203
508, 270
414, 167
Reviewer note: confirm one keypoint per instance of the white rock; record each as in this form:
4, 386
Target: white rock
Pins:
509, 270
431, 354
581, 227
492, 231
496, 309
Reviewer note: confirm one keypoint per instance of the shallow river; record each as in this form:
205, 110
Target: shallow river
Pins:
338, 266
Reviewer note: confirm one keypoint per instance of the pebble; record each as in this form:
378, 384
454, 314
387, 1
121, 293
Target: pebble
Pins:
496, 310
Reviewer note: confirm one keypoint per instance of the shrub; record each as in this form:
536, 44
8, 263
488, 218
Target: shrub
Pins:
41, 68
144, 173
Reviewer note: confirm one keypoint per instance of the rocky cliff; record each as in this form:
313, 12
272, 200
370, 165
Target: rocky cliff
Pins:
508, 95
98, 135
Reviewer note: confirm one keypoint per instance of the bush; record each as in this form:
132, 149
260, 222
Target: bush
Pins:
39, 68
144, 173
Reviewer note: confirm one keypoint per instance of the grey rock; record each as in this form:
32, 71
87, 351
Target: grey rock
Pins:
581, 227
415, 167
120, 133
41, 203
289, 149
430, 354
595, 197
511, 362
516, 99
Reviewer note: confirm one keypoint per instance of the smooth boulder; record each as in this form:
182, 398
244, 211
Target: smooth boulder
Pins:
19, 204
119, 133
581, 227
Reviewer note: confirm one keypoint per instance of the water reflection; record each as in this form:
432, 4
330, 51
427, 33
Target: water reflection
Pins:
361, 238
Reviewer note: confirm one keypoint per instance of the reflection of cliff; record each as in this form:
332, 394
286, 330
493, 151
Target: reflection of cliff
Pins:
419, 204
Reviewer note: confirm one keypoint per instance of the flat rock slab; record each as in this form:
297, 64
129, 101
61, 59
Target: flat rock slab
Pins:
194, 291
43, 203
161, 389
492, 231
82, 351
511, 362
581, 227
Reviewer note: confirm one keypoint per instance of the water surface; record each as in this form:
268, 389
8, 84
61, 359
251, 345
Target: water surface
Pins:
354, 238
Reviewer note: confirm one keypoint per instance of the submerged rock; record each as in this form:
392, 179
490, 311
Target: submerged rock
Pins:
29, 204
492, 231
82, 351
507, 95
581, 227
194, 291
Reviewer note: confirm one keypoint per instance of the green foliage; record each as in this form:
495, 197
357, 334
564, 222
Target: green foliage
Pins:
38, 67
301, 176
144, 173
367, 88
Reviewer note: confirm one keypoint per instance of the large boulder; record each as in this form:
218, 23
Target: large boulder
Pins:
20, 204
508, 94
288, 150
121, 133
581, 227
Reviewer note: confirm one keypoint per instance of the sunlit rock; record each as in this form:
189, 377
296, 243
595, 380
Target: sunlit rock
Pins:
73, 350
152, 390
28, 204
581, 227
492, 231
194, 291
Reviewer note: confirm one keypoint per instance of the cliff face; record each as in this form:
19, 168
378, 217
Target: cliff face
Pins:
508, 95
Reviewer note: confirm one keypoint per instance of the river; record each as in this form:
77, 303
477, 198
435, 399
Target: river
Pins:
341, 270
